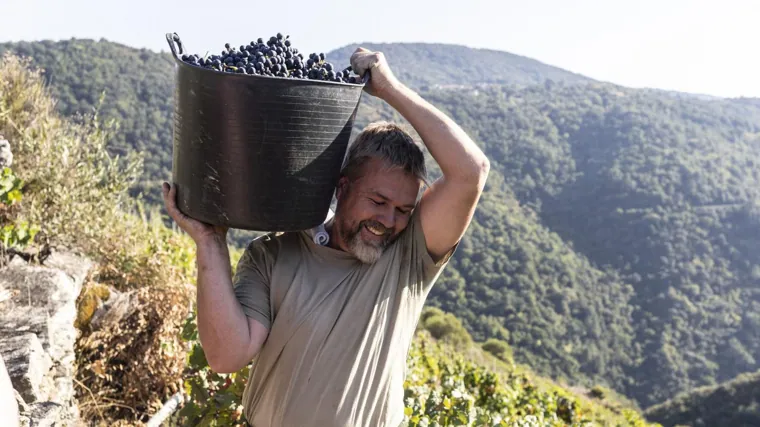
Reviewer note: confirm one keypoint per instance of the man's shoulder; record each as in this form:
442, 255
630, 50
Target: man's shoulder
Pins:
274, 242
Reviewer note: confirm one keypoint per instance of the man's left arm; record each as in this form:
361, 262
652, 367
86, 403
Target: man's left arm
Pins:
447, 207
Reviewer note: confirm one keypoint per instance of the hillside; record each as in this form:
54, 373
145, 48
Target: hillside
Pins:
424, 65
663, 191
734, 403
135, 86
617, 240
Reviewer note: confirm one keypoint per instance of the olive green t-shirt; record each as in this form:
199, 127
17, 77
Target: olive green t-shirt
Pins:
339, 330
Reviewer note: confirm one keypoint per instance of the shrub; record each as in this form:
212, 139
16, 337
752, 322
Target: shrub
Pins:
498, 348
446, 327
598, 392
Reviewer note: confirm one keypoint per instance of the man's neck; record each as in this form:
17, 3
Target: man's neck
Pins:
333, 233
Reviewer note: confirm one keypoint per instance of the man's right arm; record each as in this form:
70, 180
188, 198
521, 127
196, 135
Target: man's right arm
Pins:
229, 338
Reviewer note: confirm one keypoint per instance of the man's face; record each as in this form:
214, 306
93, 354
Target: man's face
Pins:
373, 210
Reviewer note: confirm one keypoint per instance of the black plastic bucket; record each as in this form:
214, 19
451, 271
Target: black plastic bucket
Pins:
257, 152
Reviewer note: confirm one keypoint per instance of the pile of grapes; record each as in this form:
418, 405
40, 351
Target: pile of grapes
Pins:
276, 57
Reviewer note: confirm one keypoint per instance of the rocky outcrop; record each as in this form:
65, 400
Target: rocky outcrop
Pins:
37, 336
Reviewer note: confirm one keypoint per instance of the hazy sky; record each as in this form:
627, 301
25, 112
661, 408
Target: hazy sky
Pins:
698, 46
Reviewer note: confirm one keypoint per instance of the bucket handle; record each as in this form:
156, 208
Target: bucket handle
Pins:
174, 43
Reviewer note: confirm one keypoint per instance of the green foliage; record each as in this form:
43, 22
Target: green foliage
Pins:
598, 392
658, 190
445, 327
135, 86
75, 190
498, 348
10, 187
733, 403
13, 234
214, 399
442, 388
17, 236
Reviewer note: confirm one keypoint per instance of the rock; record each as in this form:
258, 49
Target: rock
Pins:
47, 414
6, 156
28, 366
45, 303
118, 306
74, 265
9, 415
37, 336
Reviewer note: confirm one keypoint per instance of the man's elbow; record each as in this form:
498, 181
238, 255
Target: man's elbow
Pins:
222, 360
484, 166
477, 174
224, 365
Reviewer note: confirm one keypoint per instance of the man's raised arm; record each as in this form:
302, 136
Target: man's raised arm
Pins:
447, 207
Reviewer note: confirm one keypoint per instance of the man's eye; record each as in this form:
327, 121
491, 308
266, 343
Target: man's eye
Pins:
376, 202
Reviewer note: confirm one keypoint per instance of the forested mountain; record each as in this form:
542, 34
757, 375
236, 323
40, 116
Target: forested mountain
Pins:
617, 240
136, 89
422, 65
664, 191
734, 403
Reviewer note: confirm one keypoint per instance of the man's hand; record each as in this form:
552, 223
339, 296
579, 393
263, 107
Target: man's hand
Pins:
197, 230
381, 80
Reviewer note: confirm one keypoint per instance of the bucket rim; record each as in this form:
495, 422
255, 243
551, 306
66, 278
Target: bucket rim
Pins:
173, 38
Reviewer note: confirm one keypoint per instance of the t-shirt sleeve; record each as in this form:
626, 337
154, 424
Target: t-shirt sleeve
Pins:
428, 269
251, 281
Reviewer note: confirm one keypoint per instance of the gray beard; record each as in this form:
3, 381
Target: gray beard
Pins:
363, 251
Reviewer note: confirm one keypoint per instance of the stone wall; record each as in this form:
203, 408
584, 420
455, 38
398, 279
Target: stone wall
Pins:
37, 337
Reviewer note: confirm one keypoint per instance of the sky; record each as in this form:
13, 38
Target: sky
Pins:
697, 46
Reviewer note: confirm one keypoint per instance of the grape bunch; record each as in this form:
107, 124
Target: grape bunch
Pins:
276, 57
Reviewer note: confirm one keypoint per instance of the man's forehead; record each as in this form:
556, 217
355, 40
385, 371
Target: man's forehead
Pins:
395, 196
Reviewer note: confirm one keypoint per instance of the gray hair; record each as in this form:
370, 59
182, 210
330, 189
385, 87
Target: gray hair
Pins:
389, 142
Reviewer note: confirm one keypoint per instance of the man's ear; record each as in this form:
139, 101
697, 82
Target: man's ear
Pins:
341, 187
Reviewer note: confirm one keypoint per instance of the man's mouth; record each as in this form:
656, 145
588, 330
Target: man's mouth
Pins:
375, 230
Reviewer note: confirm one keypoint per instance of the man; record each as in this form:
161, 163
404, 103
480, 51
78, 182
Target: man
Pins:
330, 326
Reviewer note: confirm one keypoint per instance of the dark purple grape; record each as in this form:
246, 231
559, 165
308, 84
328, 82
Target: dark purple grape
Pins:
273, 57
